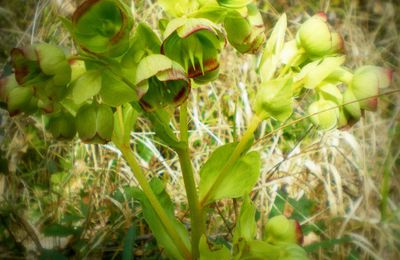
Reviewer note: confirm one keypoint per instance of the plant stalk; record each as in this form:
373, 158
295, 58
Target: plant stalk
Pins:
141, 178
240, 148
198, 226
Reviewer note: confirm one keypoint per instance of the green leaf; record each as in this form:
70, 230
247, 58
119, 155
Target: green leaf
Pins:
50, 254
243, 174
160, 120
234, 3
314, 73
129, 242
58, 230
144, 42
210, 254
178, 8
115, 92
212, 12
270, 58
246, 225
155, 224
86, 86
274, 98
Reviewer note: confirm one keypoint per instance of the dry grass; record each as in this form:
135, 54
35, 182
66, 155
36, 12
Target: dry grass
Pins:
342, 171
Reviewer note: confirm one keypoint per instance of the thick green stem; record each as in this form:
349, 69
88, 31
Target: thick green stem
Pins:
141, 178
196, 215
240, 148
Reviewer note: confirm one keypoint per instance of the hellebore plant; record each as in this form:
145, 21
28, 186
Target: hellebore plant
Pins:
121, 70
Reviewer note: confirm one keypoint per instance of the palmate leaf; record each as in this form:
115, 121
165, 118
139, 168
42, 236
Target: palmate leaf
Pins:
242, 176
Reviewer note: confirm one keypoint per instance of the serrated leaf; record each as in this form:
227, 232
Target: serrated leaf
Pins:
86, 86
241, 179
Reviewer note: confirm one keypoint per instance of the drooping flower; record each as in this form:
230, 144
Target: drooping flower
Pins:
280, 229
317, 38
95, 123
245, 34
161, 82
102, 27
194, 43
366, 82
62, 126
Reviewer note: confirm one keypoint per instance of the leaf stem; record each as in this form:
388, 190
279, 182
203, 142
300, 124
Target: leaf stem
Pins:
141, 178
196, 214
240, 148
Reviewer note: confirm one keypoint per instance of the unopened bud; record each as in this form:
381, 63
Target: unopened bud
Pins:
317, 38
280, 229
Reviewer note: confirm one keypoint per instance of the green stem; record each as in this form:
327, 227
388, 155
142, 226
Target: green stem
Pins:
196, 215
240, 148
141, 178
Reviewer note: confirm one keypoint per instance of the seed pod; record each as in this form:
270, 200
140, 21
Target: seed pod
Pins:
102, 27
324, 113
317, 38
195, 44
280, 229
245, 34
366, 82
62, 126
95, 123
161, 82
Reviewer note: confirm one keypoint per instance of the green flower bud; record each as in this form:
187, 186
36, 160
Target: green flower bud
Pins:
324, 113
161, 82
62, 126
245, 34
316, 37
95, 123
195, 44
18, 99
280, 229
102, 27
367, 81
290, 251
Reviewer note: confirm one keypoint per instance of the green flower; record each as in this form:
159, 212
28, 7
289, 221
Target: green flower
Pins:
161, 82
325, 113
245, 34
44, 67
280, 229
317, 38
194, 43
62, 126
18, 99
366, 82
95, 123
102, 27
